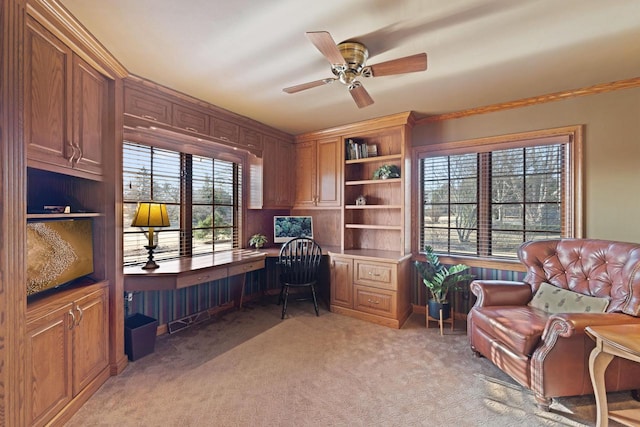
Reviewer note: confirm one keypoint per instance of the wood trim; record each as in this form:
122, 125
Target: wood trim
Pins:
541, 99
76, 36
13, 210
368, 126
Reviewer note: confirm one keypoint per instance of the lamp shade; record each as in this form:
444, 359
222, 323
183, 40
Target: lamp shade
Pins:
150, 214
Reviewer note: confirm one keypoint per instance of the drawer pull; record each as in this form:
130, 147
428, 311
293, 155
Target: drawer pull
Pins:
191, 129
372, 301
375, 275
73, 319
148, 117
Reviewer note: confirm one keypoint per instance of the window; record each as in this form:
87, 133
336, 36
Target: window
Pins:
484, 198
203, 197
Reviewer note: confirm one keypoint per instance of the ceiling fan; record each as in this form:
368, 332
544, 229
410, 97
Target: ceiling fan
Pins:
348, 63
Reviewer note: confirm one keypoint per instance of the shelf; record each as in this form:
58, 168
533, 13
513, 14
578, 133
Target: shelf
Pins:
63, 215
374, 159
373, 207
373, 227
374, 181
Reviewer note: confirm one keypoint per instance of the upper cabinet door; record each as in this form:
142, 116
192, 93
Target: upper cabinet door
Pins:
47, 99
90, 116
329, 175
191, 120
277, 158
147, 106
305, 167
66, 106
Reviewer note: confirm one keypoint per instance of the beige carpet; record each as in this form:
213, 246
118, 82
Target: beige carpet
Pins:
249, 368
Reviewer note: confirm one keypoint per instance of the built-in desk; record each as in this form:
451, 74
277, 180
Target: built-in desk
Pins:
190, 271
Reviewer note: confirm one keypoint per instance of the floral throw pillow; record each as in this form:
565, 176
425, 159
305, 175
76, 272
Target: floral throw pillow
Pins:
557, 300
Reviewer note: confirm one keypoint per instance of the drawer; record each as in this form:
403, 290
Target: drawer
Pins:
376, 274
197, 277
248, 266
375, 301
147, 106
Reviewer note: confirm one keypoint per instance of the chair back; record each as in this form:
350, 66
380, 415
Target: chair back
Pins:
600, 268
299, 261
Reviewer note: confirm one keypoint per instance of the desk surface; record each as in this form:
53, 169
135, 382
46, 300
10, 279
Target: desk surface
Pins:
191, 264
189, 271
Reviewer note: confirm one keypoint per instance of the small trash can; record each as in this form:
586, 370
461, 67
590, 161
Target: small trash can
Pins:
139, 335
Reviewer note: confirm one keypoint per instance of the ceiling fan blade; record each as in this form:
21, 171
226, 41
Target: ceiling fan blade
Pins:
408, 64
309, 85
360, 95
323, 41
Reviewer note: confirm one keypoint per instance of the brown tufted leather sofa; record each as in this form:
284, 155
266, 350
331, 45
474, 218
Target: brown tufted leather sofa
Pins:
549, 353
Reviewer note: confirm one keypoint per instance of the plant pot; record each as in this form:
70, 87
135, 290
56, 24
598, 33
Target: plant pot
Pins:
434, 309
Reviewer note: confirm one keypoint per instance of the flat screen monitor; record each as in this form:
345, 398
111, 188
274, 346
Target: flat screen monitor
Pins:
286, 228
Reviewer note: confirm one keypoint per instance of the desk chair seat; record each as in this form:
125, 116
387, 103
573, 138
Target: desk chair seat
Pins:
299, 263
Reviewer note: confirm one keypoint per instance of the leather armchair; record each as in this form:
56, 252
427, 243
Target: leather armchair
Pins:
549, 353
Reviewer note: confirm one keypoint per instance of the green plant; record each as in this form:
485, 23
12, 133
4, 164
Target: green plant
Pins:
258, 240
387, 171
438, 278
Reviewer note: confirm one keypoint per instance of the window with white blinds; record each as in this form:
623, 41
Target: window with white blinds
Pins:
486, 200
203, 197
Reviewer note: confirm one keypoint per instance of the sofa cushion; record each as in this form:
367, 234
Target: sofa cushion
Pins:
517, 327
553, 299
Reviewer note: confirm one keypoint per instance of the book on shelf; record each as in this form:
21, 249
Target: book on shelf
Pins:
355, 149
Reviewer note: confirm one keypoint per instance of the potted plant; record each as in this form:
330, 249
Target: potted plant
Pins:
386, 172
258, 241
440, 280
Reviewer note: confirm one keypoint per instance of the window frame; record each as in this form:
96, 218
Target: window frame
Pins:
152, 138
573, 200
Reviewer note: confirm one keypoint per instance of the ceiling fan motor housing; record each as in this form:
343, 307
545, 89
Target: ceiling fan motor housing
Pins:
355, 57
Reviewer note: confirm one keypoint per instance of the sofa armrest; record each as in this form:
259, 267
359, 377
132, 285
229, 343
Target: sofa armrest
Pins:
569, 324
500, 292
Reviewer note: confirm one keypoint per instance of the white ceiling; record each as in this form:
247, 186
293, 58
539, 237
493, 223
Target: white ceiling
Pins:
240, 54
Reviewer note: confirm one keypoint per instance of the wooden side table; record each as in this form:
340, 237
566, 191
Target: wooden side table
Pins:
612, 340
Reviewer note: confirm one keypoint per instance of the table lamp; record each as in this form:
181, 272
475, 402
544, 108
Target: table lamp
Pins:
151, 214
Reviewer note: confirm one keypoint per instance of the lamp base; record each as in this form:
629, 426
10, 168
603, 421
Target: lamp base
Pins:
151, 264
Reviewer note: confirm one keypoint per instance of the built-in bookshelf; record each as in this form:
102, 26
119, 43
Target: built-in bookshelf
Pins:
374, 203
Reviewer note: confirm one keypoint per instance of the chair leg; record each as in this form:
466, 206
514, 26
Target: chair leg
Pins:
284, 301
315, 301
281, 294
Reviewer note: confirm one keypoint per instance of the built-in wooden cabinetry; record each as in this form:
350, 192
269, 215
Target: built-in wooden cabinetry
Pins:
72, 338
65, 106
382, 223
67, 349
148, 105
370, 273
318, 172
277, 160
372, 287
